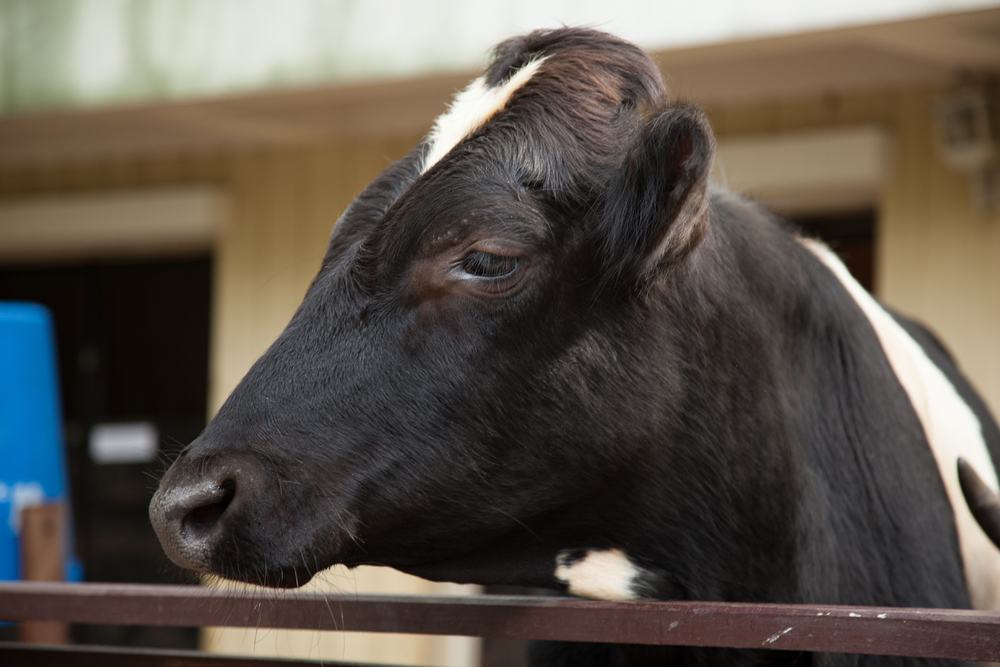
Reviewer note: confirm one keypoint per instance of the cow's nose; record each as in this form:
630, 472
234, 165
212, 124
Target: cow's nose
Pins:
189, 511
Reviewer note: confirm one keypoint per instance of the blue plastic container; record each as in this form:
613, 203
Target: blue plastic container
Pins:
32, 459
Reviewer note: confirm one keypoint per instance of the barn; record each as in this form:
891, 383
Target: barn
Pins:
173, 227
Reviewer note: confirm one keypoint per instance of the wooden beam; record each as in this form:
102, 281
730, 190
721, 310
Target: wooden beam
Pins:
152, 221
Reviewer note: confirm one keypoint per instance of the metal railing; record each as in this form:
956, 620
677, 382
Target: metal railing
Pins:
929, 633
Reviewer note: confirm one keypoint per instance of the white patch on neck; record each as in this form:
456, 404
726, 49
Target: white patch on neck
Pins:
472, 108
607, 574
951, 427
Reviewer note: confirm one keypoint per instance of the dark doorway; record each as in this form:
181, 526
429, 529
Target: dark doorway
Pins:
133, 348
851, 235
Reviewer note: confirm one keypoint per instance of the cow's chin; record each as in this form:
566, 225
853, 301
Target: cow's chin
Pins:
237, 562
273, 571
268, 577
292, 567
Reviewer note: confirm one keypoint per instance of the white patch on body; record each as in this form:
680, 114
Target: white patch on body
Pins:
472, 108
951, 427
607, 574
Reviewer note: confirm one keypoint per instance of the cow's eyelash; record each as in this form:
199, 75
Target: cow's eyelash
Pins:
489, 265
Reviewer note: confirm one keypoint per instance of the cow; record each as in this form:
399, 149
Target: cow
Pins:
543, 350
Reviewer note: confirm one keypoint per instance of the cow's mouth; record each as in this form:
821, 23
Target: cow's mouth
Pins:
219, 516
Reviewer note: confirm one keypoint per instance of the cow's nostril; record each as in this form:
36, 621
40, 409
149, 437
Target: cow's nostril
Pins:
203, 517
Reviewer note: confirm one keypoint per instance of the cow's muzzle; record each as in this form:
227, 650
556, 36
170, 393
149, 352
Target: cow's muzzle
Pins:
196, 500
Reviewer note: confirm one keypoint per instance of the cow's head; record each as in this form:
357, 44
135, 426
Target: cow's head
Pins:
466, 391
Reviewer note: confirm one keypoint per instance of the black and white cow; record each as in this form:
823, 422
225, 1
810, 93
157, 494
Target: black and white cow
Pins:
543, 350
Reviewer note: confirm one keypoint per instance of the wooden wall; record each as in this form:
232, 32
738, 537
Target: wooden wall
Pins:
939, 256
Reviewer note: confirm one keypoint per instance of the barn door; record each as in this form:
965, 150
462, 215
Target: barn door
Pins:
133, 356
851, 235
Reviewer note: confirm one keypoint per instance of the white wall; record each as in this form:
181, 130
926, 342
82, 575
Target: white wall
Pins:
100, 52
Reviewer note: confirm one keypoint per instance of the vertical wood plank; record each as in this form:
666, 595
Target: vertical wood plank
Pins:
42, 548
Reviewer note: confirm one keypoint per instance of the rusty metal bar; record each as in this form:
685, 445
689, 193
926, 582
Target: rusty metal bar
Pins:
930, 633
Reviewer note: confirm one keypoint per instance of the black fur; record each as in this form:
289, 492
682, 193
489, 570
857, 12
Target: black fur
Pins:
667, 372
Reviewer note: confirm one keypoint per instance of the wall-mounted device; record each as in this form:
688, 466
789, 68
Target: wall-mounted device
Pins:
968, 139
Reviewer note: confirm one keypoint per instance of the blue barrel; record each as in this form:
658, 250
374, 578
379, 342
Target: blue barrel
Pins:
32, 458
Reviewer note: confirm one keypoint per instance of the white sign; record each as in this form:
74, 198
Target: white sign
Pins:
136, 442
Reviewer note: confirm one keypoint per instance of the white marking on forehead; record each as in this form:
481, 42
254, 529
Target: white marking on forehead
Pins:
607, 574
951, 427
472, 108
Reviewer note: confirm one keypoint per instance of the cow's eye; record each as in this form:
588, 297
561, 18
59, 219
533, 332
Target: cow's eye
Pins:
487, 265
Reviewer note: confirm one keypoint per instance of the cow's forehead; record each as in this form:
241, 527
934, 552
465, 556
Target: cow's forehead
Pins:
550, 117
551, 112
460, 204
473, 108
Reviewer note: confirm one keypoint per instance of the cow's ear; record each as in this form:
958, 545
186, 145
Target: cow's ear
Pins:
656, 205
